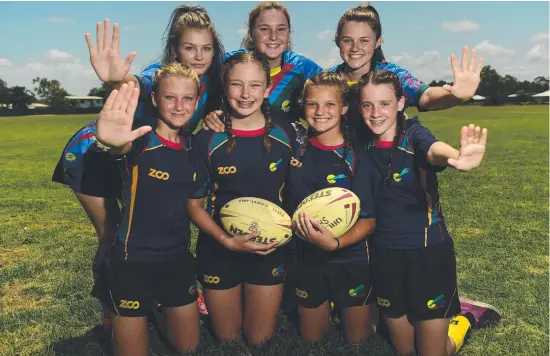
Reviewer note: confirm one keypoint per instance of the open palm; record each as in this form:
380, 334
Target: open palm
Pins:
106, 60
472, 148
114, 127
467, 78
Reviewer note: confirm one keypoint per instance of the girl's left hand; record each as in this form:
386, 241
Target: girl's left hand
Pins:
315, 233
473, 140
466, 80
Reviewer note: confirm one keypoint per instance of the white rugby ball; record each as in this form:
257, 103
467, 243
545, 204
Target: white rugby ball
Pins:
245, 215
337, 209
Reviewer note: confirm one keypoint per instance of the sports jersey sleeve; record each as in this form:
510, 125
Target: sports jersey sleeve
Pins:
138, 146
422, 139
199, 155
363, 185
413, 87
310, 67
145, 79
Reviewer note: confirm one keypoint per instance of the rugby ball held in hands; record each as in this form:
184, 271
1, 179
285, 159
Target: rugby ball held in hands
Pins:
246, 215
337, 209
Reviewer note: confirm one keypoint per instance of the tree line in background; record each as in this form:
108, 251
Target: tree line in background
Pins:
493, 86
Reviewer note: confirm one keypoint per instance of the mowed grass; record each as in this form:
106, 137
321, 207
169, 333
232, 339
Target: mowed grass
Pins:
498, 216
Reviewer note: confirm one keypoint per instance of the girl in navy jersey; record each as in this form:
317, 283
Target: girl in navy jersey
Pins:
413, 261
249, 159
330, 268
92, 175
150, 258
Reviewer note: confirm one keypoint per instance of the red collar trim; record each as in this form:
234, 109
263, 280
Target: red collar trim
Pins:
248, 133
382, 144
170, 144
318, 144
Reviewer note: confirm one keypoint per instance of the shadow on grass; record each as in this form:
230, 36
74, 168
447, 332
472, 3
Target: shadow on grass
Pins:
286, 341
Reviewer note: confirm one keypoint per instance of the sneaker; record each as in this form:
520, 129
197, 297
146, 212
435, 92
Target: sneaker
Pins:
201, 303
483, 315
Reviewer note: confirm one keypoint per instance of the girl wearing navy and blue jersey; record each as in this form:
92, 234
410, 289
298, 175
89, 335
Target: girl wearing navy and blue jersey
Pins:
413, 261
150, 258
359, 38
249, 159
331, 269
93, 176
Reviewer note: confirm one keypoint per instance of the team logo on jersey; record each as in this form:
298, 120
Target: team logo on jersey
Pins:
331, 178
273, 166
279, 271
158, 174
193, 289
195, 177
403, 175
285, 106
295, 163
358, 291
227, 170
437, 303
69, 156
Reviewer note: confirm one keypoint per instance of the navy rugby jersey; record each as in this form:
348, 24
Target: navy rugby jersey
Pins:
323, 167
247, 171
287, 82
158, 179
413, 89
408, 212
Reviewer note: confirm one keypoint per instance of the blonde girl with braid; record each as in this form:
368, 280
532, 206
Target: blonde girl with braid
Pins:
250, 158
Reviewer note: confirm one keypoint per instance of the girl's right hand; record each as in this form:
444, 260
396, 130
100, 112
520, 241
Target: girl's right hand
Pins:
212, 121
242, 243
106, 60
114, 126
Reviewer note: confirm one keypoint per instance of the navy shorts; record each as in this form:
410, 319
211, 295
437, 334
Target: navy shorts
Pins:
220, 268
420, 283
129, 288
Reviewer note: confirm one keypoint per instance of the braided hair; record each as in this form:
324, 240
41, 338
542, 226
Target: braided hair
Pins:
387, 77
243, 57
334, 80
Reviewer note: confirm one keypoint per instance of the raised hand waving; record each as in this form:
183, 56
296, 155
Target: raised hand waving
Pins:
472, 148
466, 79
114, 127
106, 60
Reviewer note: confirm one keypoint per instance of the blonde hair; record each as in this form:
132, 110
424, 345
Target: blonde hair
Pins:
177, 70
247, 41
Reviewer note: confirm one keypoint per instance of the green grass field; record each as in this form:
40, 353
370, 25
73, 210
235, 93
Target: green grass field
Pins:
498, 216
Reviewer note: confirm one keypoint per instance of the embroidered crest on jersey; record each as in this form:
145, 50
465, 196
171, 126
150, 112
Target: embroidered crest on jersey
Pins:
274, 165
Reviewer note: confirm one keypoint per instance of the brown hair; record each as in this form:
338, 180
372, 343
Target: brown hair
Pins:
247, 41
369, 15
243, 57
334, 80
387, 77
186, 17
